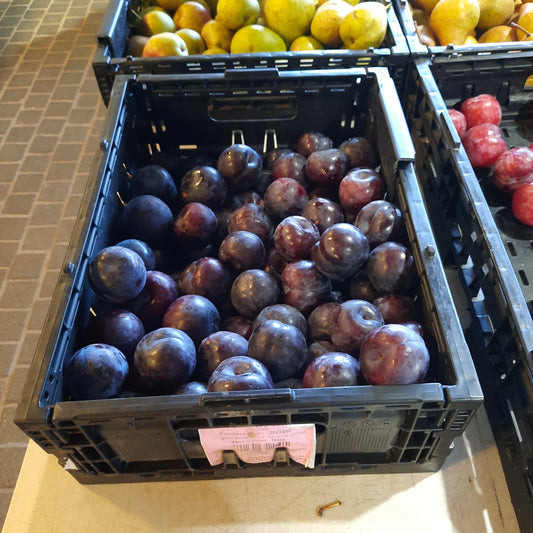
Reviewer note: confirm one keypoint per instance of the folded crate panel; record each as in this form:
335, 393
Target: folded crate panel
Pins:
480, 239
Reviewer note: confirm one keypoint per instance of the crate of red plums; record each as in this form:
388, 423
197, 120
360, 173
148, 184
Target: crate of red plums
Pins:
472, 125
252, 289
208, 30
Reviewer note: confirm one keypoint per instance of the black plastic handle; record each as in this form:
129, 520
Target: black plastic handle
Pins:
252, 74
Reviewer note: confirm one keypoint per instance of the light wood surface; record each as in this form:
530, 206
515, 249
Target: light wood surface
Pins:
468, 494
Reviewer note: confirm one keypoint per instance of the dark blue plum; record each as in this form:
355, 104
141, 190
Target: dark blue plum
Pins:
140, 247
282, 348
148, 219
117, 274
96, 372
164, 360
154, 180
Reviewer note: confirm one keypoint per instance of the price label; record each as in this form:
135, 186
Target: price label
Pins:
257, 444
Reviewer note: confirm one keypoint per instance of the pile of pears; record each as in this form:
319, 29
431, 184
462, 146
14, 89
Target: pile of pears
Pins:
470, 22
188, 27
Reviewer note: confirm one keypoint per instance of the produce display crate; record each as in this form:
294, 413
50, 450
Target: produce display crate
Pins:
416, 48
360, 429
478, 235
111, 58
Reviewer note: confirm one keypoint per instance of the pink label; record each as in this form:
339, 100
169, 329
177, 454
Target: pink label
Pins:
257, 444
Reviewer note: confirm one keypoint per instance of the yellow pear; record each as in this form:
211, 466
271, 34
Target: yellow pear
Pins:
525, 21
494, 12
255, 38
304, 43
193, 40
289, 18
498, 34
327, 20
214, 51
428, 5
216, 35
365, 26
235, 14
453, 20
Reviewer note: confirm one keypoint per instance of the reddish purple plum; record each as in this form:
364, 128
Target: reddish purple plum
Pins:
326, 168
241, 166
240, 373
207, 277
284, 313
194, 314
295, 237
252, 291
360, 152
381, 221
290, 165
195, 225
304, 286
359, 187
285, 197
252, 218
323, 212
332, 369
150, 305
242, 250
218, 346
341, 251
391, 268
394, 354
311, 141
117, 327
203, 184
354, 321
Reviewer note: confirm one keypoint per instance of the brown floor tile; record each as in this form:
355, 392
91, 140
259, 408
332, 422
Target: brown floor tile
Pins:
27, 265
11, 459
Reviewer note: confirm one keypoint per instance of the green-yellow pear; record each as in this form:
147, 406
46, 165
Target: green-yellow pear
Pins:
155, 21
289, 18
327, 20
255, 38
365, 26
453, 20
216, 35
165, 44
494, 13
235, 14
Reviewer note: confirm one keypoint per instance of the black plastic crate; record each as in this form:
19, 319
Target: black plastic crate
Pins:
111, 57
416, 48
476, 234
358, 429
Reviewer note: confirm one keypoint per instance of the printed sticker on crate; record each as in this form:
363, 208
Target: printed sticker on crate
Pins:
258, 444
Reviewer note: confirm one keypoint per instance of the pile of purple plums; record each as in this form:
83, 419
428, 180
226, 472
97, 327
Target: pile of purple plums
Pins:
253, 272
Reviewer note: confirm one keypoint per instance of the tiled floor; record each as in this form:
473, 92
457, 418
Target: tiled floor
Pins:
51, 114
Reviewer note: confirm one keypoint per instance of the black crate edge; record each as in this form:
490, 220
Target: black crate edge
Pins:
108, 60
431, 415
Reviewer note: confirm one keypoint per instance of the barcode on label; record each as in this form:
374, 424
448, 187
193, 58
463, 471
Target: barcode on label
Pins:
260, 446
